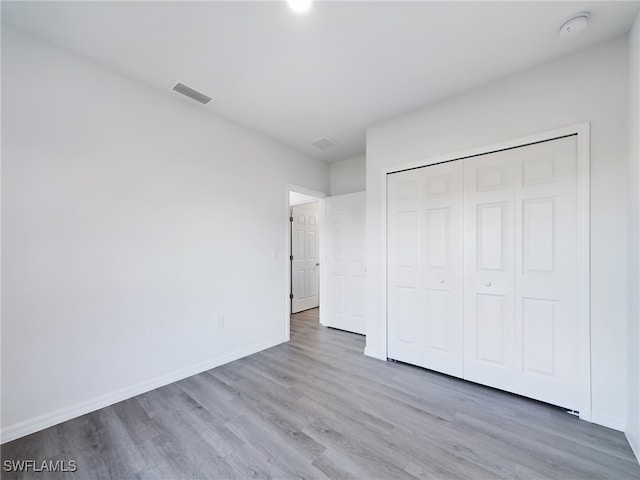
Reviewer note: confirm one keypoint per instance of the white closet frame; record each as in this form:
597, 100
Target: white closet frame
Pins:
583, 333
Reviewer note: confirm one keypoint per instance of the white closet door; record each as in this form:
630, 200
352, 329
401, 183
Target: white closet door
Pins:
521, 241
489, 258
546, 321
304, 249
425, 267
506, 316
403, 270
343, 303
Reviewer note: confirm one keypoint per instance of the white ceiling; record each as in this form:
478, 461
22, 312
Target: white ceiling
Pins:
330, 73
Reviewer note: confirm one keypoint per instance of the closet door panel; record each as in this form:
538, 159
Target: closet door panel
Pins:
489, 356
403, 257
425, 267
442, 268
546, 272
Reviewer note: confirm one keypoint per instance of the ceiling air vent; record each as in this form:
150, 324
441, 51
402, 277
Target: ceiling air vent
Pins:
324, 143
191, 93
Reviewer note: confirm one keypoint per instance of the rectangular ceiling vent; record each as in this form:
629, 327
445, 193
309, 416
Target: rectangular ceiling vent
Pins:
324, 143
191, 93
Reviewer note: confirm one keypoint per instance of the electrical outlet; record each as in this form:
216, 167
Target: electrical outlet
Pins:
220, 323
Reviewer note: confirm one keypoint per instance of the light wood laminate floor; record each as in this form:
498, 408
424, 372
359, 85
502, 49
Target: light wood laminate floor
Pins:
317, 408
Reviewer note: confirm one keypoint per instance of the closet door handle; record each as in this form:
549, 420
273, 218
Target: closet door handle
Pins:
488, 284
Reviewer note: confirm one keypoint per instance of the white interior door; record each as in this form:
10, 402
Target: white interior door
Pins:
343, 299
520, 269
425, 267
305, 261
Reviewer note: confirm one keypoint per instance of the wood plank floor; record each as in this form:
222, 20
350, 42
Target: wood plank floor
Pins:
317, 408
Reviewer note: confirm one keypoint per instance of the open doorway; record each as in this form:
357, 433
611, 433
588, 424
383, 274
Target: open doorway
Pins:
295, 196
304, 254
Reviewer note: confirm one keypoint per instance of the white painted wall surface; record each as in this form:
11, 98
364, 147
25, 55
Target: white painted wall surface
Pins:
589, 86
132, 221
348, 176
296, 198
633, 423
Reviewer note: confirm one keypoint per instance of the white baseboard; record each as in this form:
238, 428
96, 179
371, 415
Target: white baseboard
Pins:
47, 420
635, 445
371, 352
609, 421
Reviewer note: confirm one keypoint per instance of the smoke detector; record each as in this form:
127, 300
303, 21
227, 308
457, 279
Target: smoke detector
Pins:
574, 24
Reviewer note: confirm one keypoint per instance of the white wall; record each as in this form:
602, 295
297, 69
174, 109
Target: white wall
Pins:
348, 176
589, 86
633, 423
296, 198
132, 220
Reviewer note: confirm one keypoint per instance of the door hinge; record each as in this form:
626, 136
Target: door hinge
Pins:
291, 257
291, 296
291, 219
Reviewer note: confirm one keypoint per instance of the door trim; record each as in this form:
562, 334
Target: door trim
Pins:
583, 132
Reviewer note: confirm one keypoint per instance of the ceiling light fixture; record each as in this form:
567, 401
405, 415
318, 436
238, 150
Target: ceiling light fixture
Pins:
300, 6
574, 24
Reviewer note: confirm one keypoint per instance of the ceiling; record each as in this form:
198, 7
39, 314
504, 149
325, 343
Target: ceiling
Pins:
328, 74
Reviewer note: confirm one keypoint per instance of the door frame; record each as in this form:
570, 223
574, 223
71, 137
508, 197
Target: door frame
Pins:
583, 333
290, 187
